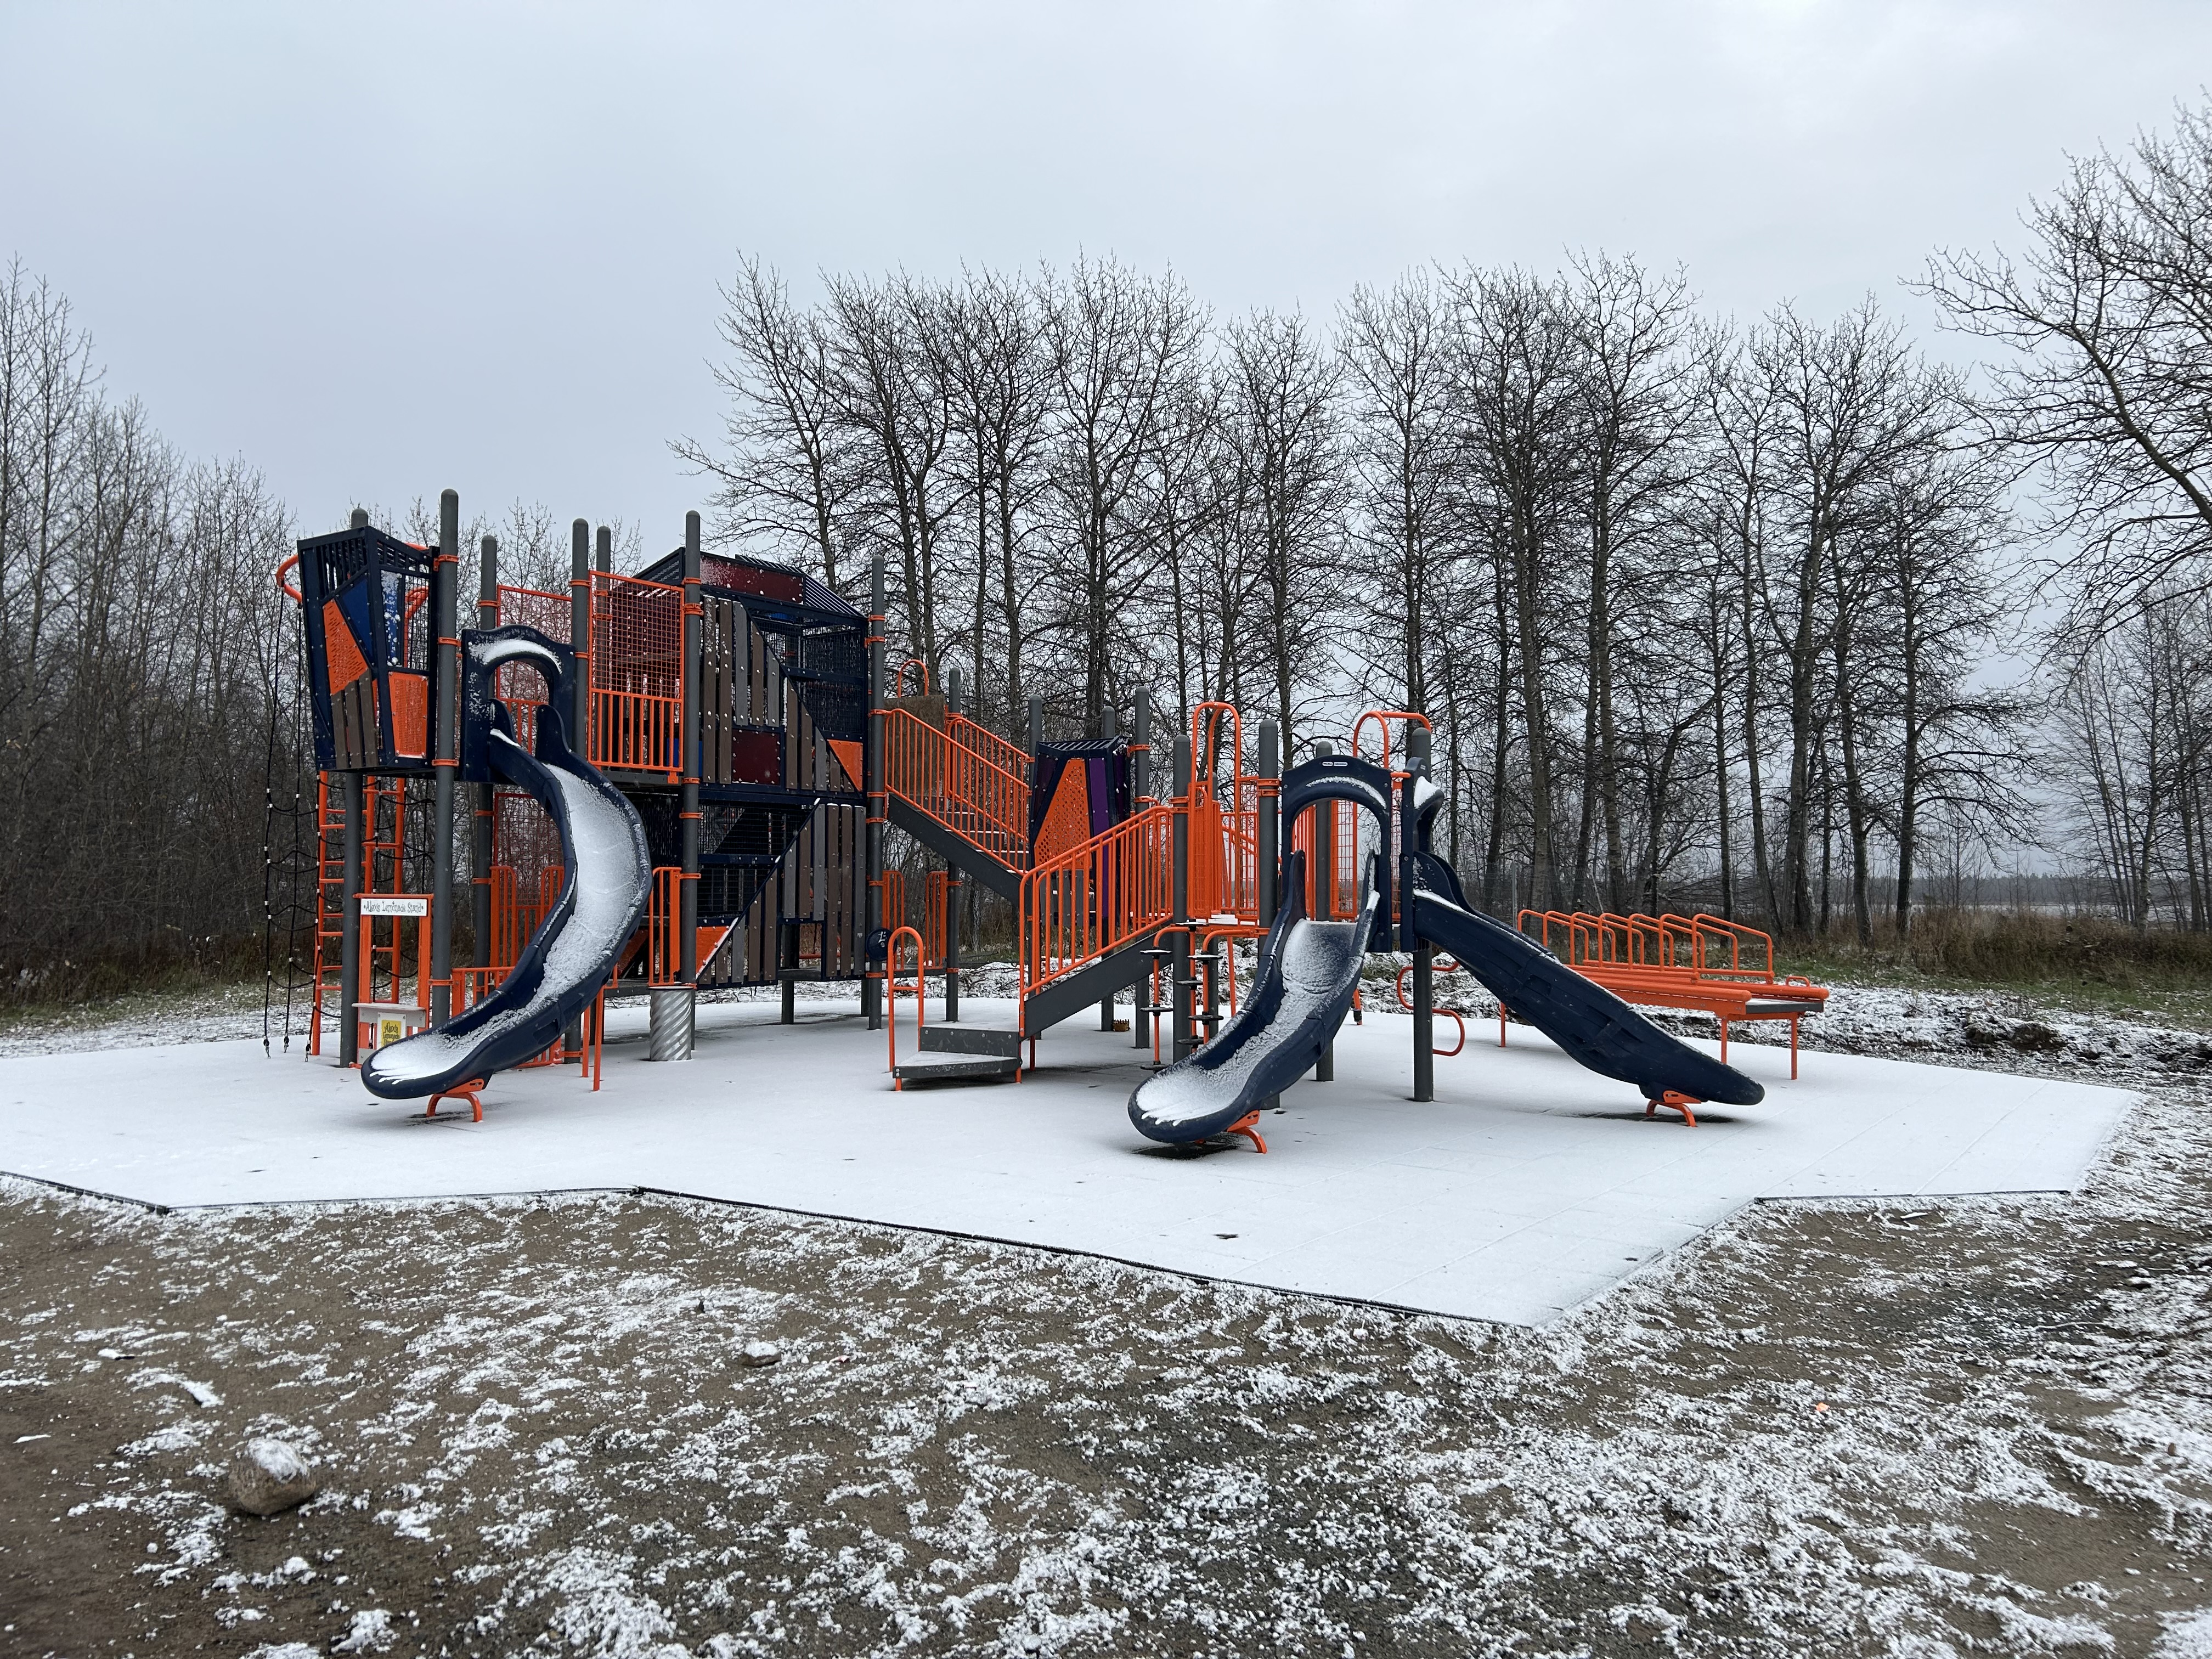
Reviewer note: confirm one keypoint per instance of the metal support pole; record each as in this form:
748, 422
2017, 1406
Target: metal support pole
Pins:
1036, 726
580, 635
1106, 1002
579, 709
1180, 962
675, 1008
1268, 837
445, 610
872, 988
350, 796
604, 563
1140, 746
1140, 787
1324, 891
956, 702
1425, 955
480, 844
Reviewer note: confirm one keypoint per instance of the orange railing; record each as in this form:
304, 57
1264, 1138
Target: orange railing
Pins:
1697, 963
664, 927
1709, 946
516, 914
1096, 897
636, 674
957, 785
892, 985
1009, 757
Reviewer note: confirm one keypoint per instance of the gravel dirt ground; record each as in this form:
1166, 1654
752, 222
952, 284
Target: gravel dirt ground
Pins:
1982, 1427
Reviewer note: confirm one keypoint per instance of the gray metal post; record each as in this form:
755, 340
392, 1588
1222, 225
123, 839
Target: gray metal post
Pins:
580, 635
445, 757
1425, 955
1267, 838
480, 844
1106, 1002
1323, 877
675, 1008
349, 809
1141, 744
1180, 962
956, 702
350, 795
1140, 786
1037, 728
604, 563
872, 988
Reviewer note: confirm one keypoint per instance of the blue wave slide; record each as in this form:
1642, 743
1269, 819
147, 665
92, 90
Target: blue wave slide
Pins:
601, 903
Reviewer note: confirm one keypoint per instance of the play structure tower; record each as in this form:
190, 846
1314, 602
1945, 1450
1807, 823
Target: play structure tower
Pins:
719, 701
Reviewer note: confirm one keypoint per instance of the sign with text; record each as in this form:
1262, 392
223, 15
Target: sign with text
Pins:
395, 904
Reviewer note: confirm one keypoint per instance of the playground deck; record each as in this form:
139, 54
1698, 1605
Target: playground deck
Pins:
1529, 1187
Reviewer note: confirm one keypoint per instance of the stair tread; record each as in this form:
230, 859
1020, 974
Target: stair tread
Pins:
920, 1066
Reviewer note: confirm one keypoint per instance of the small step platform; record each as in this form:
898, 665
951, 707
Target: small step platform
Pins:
954, 1053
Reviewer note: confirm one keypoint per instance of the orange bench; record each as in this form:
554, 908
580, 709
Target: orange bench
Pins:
1700, 963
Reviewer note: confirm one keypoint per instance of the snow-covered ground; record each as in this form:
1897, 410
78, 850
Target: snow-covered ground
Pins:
1905, 1427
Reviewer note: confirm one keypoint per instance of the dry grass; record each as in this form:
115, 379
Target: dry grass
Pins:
2086, 962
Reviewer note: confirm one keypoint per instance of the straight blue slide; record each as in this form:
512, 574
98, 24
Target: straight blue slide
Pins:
603, 901
1592, 1024
1309, 973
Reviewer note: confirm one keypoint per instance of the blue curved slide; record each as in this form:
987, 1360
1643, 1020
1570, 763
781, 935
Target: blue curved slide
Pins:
1309, 973
603, 901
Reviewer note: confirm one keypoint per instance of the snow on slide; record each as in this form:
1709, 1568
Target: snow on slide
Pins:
1308, 971
602, 903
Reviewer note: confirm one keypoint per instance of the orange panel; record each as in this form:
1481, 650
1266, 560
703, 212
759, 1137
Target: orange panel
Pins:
341, 651
1067, 821
410, 715
853, 756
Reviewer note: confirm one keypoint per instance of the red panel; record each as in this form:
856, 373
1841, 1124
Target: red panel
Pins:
755, 757
786, 586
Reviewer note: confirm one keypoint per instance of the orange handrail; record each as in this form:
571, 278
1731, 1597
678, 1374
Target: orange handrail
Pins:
899, 680
1443, 965
1096, 897
891, 990
664, 959
291, 594
1009, 757
956, 786
1382, 717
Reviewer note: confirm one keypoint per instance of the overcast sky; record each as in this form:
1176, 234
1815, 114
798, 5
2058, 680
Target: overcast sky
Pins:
379, 251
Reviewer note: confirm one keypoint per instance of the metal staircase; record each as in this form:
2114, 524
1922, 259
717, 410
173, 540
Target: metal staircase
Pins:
1085, 919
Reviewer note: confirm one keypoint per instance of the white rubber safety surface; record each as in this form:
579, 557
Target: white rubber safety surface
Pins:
1529, 1185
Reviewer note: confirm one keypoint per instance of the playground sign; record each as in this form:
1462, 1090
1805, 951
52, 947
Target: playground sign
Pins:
395, 904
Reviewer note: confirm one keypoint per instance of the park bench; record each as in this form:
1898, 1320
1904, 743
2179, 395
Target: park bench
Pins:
1698, 964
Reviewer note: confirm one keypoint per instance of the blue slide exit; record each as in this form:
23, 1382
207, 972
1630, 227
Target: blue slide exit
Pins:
1309, 972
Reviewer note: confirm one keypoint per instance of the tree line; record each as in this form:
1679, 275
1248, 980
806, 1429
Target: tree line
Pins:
1688, 604
1778, 617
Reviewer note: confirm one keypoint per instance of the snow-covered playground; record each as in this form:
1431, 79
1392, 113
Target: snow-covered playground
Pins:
1529, 1186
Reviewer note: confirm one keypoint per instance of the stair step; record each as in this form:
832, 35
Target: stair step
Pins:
954, 1037
953, 1067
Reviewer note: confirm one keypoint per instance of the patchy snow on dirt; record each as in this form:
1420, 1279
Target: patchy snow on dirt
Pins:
1903, 1428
